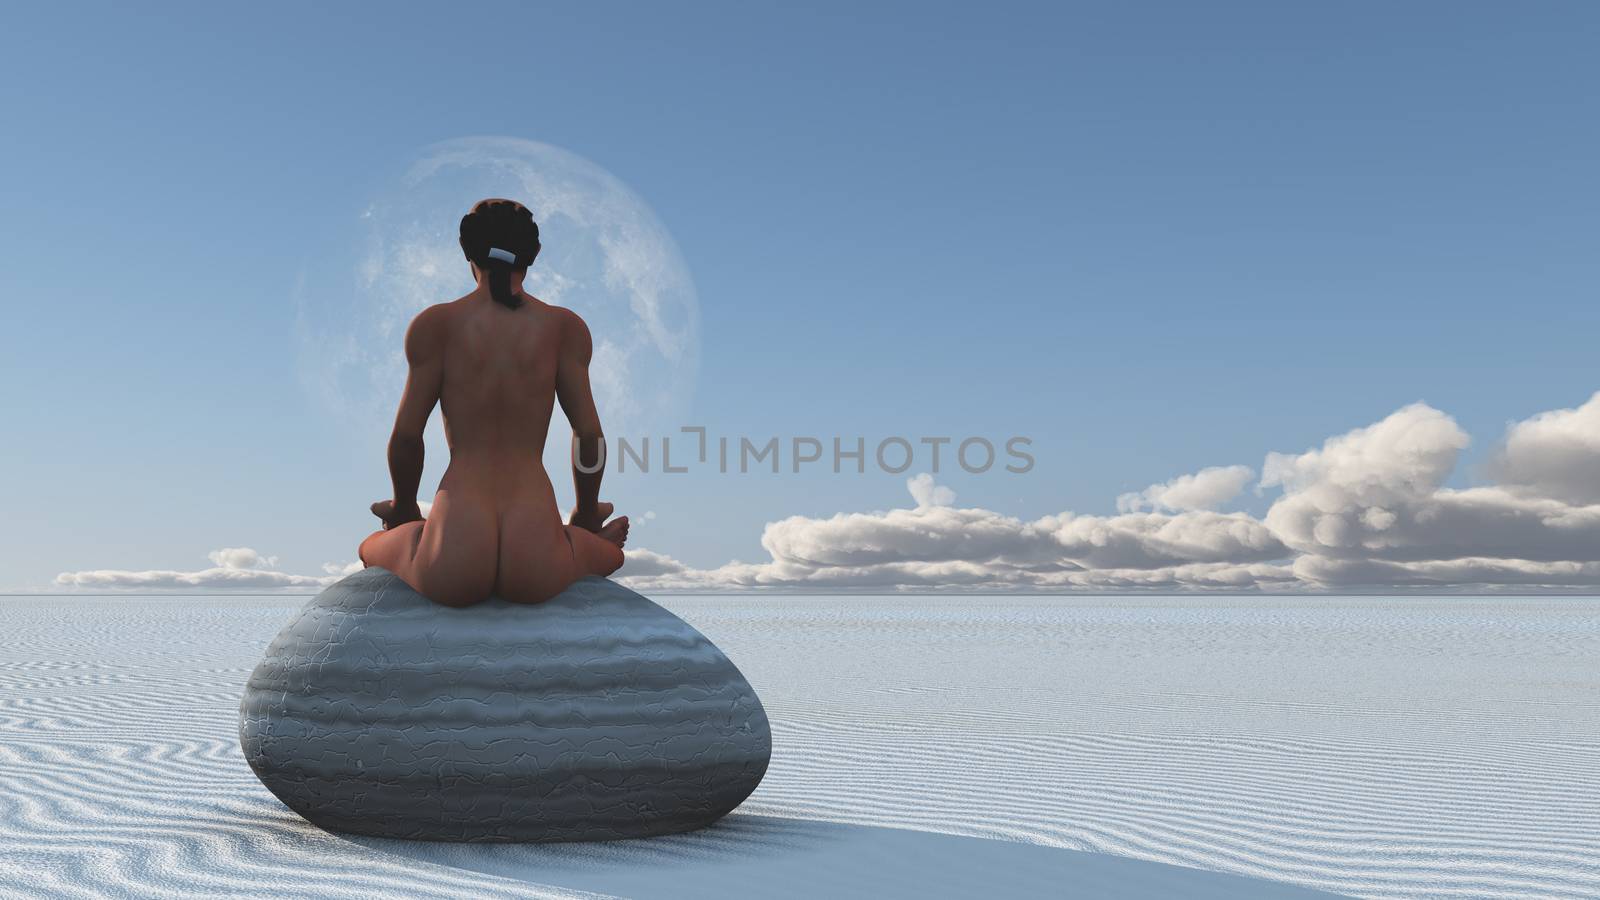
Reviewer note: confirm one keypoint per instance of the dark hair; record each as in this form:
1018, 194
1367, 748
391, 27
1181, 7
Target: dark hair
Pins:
503, 225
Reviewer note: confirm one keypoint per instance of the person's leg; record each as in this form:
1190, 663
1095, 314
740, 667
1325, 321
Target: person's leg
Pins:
457, 572
540, 557
393, 549
598, 554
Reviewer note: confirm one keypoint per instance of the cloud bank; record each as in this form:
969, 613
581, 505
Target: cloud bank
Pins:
1366, 511
233, 569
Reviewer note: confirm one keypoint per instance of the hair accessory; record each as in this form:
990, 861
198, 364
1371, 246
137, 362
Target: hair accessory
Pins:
502, 255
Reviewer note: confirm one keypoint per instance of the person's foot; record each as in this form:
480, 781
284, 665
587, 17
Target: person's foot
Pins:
616, 530
591, 520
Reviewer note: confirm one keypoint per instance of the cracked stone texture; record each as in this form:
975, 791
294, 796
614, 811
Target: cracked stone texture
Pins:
594, 716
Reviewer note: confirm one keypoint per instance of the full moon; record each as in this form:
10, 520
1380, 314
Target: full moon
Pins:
605, 256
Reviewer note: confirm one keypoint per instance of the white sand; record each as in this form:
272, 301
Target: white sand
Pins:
1377, 747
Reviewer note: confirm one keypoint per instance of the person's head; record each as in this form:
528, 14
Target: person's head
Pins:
500, 239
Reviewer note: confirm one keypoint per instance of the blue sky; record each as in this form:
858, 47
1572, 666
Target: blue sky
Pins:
1151, 237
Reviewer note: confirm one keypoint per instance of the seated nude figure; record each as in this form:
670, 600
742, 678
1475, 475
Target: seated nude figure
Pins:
495, 361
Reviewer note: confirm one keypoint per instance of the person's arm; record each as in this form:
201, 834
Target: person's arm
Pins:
577, 401
425, 354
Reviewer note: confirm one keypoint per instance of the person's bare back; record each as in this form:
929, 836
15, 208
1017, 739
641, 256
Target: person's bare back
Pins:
495, 360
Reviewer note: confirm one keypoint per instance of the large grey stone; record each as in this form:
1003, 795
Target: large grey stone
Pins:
596, 715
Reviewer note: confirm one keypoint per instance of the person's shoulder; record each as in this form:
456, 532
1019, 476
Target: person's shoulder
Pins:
428, 328
565, 316
572, 324
573, 333
432, 318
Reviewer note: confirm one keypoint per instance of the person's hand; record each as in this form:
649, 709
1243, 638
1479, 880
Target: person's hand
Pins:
394, 516
592, 518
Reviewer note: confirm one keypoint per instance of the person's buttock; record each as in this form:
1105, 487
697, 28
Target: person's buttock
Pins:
509, 512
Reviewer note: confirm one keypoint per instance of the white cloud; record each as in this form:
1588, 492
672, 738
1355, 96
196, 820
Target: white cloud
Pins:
647, 563
1208, 488
926, 493
1375, 495
1153, 540
924, 534
241, 558
1347, 497
1410, 452
1477, 572
235, 568
1555, 454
